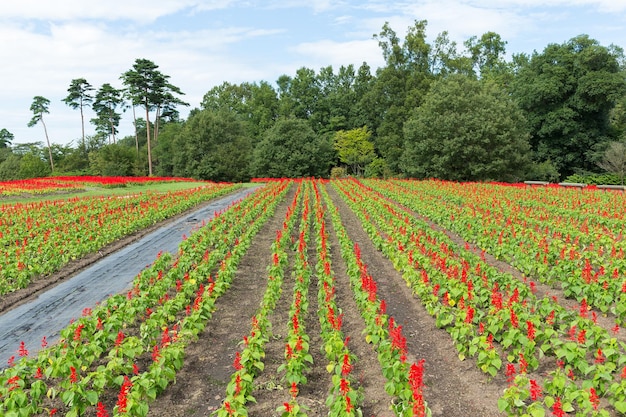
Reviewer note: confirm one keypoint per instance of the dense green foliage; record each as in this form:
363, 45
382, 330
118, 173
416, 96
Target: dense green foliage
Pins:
291, 148
434, 109
466, 130
567, 93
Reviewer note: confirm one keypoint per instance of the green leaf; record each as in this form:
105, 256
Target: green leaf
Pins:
620, 406
92, 397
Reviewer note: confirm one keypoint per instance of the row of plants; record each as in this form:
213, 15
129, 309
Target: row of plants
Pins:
298, 359
404, 381
485, 311
343, 399
569, 238
131, 346
37, 239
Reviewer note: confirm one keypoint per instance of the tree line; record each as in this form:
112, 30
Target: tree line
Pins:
434, 109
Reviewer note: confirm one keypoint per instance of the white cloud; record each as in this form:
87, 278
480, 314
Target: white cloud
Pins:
139, 10
327, 52
605, 6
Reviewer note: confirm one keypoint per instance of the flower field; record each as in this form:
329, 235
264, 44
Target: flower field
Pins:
39, 238
342, 298
48, 185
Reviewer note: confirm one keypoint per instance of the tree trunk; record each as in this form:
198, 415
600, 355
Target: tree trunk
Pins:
112, 136
156, 124
148, 138
82, 124
136, 135
48, 142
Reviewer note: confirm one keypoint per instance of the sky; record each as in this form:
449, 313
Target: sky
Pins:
200, 44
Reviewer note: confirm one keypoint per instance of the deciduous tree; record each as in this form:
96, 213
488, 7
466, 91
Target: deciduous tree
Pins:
567, 92
354, 148
466, 130
292, 149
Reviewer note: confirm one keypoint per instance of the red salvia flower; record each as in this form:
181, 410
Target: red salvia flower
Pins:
293, 390
38, 374
101, 410
349, 406
165, 338
535, 390
73, 377
510, 372
583, 308
398, 342
44, 342
469, 314
299, 344
237, 362
346, 368
623, 374
52, 412
531, 330
22, 351
593, 398
490, 341
344, 386
572, 333
416, 377
557, 408
156, 355
599, 356
78, 331
288, 407
122, 398
514, 321
581, 336
523, 365
238, 384
419, 409
10, 361
13, 383
119, 339
135, 369
436, 290
496, 298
